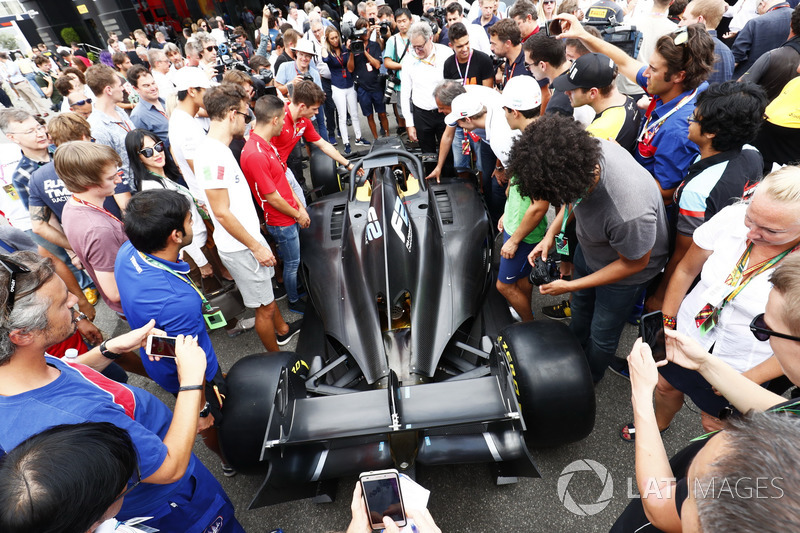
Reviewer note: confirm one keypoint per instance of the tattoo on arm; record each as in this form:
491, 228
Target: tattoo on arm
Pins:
41, 213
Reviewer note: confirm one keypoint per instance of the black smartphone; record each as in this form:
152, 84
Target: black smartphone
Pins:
160, 346
381, 490
554, 28
651, 328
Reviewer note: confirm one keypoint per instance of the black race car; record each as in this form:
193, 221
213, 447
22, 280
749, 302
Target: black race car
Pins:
408, 355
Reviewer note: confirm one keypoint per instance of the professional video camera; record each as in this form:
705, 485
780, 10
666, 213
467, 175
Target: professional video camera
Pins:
435, 17
356, 44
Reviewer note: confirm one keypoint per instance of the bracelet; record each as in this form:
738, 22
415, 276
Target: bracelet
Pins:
191, 387
107, 353
670, 322
499, 168
81, 316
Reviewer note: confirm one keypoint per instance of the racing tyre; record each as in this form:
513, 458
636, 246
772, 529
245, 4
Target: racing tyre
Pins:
251, 384
553, 382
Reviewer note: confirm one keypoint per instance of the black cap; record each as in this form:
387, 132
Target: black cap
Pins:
589, 70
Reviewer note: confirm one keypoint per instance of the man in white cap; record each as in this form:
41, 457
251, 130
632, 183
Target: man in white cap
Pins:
301, 68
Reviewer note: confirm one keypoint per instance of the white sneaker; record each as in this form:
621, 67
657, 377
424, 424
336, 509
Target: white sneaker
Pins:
514, 314
245, 324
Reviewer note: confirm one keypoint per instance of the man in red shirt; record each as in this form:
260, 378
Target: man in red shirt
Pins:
266, 174
306, 99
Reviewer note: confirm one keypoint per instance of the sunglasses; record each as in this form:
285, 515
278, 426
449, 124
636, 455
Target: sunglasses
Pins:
681, 36
13, 268
247, 117
762, 332
150, 152
210, 48
135, 484
81, 102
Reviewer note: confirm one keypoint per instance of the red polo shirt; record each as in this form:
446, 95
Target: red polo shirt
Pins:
265, 174
291, 133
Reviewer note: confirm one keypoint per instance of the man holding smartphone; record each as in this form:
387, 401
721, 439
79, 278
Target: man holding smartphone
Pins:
158, 224
38, 391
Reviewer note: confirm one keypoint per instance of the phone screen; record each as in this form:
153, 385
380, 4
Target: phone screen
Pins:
383, 499
652, 331
162, 346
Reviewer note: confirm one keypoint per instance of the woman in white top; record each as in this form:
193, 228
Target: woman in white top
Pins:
734, 253
152, 168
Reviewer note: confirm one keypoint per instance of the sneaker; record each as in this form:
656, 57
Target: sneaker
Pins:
278, 291
514, 314
349, 122
347, 149
401, 130
559, 311
227, 470
294, 329
383, 132
620, 368
333, 141
362, 142
242, 325
298, 307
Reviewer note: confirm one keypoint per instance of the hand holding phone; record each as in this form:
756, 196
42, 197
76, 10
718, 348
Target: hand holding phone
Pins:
651, 329
160, 346
381, 491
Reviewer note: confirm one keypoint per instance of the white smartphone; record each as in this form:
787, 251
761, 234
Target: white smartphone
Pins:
160, 346
381, 490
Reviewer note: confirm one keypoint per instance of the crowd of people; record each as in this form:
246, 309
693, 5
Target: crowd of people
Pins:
657, 177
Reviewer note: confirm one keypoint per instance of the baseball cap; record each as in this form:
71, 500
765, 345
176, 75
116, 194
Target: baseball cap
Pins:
590, 70
463, 106
522, 93
190, 77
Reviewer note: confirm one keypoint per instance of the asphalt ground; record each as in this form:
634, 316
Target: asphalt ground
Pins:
464, 498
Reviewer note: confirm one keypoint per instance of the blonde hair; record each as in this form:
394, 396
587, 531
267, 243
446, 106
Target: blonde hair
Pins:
70, 126
786, 280
783, 185
80, 164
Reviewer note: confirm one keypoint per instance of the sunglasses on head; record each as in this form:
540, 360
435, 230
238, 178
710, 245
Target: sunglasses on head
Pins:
81, 102
150, 152
761, 332
681, 36
13, 268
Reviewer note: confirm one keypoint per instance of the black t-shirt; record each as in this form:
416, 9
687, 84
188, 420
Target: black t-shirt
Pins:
559, 103
516, 68
283, 58
480, 68
364, 73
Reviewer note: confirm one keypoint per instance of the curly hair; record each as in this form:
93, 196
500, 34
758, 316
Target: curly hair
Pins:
733, 111
554, 160
695, 57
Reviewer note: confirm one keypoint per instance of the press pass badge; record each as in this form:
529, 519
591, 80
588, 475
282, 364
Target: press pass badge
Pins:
562, 244
214, 318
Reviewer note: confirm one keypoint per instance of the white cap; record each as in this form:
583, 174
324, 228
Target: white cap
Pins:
304, 45
463, 106
522, 93
190, 77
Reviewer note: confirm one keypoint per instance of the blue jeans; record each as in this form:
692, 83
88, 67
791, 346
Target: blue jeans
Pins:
598, 316
287, 238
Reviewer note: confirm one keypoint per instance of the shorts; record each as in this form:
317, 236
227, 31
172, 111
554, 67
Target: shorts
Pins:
253, 280
369, 100
517, 267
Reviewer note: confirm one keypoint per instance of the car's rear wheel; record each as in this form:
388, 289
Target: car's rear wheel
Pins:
553, 382
251, 384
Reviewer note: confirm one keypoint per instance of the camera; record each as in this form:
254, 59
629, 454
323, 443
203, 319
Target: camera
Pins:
392, 81
497, 62
264, 74
436, 18
347, 31
307, 76
386, 29
274, 11
544, 271
356, 44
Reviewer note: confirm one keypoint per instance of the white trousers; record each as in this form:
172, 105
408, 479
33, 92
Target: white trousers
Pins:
346, 101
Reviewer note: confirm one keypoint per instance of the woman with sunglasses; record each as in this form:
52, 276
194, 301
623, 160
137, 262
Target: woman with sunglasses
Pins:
547, 11
734, 254
153, 168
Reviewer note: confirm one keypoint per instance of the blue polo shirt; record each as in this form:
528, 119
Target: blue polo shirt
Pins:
147, 117
148, 292
47, 190
670, 152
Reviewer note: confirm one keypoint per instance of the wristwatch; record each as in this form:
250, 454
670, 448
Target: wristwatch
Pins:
206, 409
108, 354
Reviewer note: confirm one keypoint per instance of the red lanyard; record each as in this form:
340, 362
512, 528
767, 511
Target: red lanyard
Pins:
341, 63
124, 126
92, 206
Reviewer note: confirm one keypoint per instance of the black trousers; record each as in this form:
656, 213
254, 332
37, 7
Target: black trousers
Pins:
430, 128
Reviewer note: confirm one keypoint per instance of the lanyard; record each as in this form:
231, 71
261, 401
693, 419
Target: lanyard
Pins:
92, 206
201, 209
466, 70
432, 61
741, 276
185, 279
341, 63
649, 130
567, 209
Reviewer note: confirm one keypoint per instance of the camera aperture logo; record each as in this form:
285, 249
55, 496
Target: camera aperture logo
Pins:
585, 509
